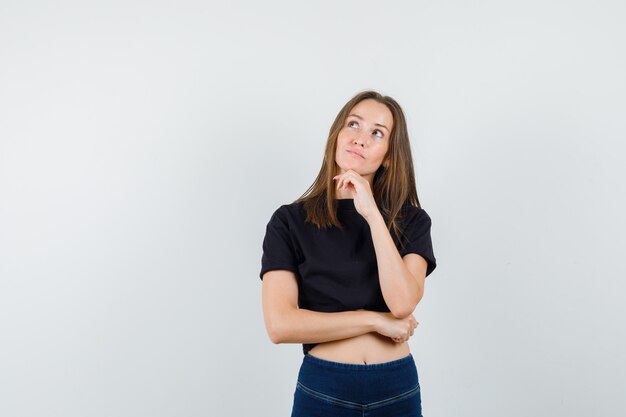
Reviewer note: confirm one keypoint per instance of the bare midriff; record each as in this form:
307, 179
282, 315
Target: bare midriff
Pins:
367, 348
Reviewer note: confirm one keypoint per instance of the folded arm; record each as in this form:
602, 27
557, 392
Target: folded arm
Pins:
286, 323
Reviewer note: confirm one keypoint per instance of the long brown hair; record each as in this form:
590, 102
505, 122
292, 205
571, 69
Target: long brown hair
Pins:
393, 186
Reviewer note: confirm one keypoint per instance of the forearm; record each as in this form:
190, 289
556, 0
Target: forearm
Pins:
400, 289
306, 326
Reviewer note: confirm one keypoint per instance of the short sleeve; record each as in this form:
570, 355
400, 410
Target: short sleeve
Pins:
417, 237
278, 249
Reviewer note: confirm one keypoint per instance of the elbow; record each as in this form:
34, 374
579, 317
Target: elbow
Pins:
274, 338
274, 333
405, 310
278, 327
401, 313
405, 305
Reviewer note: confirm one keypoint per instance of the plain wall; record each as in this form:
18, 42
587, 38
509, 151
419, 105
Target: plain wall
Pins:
144, 146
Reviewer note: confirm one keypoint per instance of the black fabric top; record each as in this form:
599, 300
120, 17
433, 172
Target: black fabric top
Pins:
336, 270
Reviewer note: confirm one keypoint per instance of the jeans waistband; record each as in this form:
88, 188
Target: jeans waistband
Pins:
358, 383
358, 366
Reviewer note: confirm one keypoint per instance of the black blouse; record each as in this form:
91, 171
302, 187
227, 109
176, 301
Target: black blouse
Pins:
336, 270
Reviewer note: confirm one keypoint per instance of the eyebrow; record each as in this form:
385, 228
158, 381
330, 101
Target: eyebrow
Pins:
359, 117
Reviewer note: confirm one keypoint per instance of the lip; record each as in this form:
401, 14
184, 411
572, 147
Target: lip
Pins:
355, 153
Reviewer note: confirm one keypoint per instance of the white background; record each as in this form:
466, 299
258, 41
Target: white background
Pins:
144, 146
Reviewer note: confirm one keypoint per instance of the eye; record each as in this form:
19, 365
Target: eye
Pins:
377, 130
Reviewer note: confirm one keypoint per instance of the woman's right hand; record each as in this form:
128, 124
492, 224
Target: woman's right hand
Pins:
398, 330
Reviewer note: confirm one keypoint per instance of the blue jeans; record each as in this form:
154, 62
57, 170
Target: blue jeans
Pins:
333, 389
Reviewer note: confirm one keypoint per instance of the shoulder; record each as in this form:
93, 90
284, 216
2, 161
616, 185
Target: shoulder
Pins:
414, 214
287, 213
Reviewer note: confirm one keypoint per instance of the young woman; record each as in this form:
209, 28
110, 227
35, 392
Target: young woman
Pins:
344, 266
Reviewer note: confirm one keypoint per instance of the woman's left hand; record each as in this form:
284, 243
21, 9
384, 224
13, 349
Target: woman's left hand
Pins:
361, 191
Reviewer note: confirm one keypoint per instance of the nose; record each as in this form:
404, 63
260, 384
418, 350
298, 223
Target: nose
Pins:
359, 139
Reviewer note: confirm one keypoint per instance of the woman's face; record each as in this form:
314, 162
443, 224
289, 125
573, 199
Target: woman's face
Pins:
364, 138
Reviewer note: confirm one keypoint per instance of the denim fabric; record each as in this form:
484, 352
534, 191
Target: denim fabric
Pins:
332, 389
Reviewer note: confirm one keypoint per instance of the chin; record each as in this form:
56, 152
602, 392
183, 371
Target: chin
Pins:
349, 165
